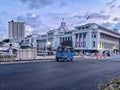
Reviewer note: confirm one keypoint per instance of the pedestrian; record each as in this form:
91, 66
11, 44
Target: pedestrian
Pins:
83, 54
93, 55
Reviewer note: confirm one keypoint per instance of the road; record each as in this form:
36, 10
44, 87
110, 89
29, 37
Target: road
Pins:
83, 74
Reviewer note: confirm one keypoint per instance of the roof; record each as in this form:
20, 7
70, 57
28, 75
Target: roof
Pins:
51, 31
99, 27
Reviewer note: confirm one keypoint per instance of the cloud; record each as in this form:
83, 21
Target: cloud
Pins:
0, 21
117, 25
90, 17
65, 3
57, 16
102, 11
99, 16
31, 20
29, 30
79, 16
118, 6
116, 19
33, 23
111, 2
40, 30
94, 15
2, 29
107, 24
36, 4
112, 6
3, 13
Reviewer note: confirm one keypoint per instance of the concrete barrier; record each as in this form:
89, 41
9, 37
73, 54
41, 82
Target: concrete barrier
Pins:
25, 54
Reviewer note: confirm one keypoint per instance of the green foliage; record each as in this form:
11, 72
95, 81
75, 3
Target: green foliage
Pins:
112, 85
66, 43
6, 57
6, 40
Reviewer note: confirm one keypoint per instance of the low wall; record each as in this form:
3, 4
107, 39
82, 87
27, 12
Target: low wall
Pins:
25, 54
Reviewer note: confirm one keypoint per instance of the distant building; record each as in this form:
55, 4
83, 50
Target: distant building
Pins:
16, 31
29, 41
42, 42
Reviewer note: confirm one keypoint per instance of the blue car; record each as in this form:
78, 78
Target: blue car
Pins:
64, 53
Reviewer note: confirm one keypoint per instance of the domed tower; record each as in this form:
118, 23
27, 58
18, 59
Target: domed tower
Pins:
63, 26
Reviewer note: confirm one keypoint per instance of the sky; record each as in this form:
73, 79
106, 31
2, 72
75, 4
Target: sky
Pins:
43, 15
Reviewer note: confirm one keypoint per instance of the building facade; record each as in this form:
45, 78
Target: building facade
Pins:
93, 37
16, 31
90, 37
51, 40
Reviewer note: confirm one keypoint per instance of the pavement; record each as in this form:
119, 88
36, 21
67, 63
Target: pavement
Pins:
81, 74
113, 56
37, 59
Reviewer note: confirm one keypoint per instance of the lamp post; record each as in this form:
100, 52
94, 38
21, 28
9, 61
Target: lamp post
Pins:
49, 45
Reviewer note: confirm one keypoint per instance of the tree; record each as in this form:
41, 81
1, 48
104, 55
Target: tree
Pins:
6, 40
67, 43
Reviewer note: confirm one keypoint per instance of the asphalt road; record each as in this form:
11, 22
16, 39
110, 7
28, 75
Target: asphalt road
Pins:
84, 74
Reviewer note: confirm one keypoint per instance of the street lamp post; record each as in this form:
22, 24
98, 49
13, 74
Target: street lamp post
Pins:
49, 47
49, 44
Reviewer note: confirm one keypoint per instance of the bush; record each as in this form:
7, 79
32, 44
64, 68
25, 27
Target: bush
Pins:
112, 85
1, 56
6, 58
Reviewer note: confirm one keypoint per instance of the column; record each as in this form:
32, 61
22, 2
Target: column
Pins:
81, 39
89, 40
98, 40
73, 40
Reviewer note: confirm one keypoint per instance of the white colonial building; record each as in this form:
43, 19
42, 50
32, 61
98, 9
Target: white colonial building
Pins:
89, 37
95, 37
51, 40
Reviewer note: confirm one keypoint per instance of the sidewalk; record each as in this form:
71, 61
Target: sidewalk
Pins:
45, 57
114, 56
52, 58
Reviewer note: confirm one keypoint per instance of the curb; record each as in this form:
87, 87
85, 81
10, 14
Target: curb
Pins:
31, 60
25, 61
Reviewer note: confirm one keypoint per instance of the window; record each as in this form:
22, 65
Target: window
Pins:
84, 35
93, 43
62, 39
32, 40
93, 35
80, 35
76, 43
87, 26
82, 27
65, 38
84, 44
70, 38
100, 45
79, 28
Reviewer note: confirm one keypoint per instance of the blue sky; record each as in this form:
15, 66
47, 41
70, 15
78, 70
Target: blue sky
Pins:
44, 14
